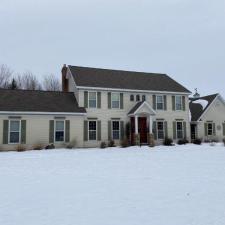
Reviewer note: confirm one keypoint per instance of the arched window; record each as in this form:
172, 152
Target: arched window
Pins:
137, 98
131, 98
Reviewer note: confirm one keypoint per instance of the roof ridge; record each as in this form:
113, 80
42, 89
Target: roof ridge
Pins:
119, 70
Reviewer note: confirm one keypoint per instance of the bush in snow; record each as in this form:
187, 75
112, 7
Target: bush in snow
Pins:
151, 140
20, 148
124, 143
51, 146
224, 141
111, 143
182, 142
103, 145
38, 146
197, 141
168, 142
71, 145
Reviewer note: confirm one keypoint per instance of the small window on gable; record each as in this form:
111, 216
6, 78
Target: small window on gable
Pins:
143, 98
137, 98
210, 129
131, 98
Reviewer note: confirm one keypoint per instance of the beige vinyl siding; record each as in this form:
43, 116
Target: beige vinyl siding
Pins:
37, 130
105, 114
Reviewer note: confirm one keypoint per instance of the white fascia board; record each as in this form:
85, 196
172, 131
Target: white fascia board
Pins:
207, 108
131, 90
40, 113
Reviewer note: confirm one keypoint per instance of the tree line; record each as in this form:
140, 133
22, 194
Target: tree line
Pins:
27, 80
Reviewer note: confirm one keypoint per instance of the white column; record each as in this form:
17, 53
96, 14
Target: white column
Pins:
150, 124
136, 124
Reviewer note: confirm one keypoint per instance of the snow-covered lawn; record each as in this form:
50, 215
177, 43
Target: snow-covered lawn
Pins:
181, 185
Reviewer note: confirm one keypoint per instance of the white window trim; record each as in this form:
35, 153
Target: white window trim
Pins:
112, 129
89, 99
9, 131
112, 100
182, 129
176, 103
93, 130
208, 129
59, 130
160, 102
163, 129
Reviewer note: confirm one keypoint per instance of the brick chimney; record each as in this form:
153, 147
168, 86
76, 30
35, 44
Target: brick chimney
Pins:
65, 82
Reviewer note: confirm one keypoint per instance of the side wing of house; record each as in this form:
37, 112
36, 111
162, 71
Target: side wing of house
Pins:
212, 122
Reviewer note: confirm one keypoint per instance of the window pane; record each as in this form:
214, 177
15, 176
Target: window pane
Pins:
137, 98
115, 104
160, 126
92, 103
159, 100
116, 125
92, 135
59, 125
132, 98
143, 98
116, 135
178, 103
15, 126
179, 130
115, 97
92, 95
59, 136
92, 125
14, 137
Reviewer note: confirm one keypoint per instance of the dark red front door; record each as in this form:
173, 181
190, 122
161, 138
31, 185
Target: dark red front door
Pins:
142, 129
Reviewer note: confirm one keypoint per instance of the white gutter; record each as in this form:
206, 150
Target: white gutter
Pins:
131, 90
40, 113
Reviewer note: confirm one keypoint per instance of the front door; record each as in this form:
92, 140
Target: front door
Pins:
142, 125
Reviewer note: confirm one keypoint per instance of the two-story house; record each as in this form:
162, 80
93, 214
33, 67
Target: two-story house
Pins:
149, 103
96, 105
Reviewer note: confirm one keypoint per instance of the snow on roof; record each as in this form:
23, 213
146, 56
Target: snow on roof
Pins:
202, 102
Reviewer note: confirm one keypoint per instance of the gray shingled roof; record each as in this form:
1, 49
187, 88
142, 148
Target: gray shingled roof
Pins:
197, 109
104, 78
38, 101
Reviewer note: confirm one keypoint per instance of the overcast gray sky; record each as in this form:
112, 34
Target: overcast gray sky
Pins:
183, 38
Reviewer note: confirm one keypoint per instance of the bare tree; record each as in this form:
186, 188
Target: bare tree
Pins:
5, 75
51, 83
28, 81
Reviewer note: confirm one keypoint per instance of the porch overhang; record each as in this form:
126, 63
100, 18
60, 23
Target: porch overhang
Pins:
142, 108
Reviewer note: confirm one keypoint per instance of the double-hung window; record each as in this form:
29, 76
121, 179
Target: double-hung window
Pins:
210, 129
92, 130
143, 98
178, 102
115, 130
131, 98
14, 131
180, 131
59, 130
137, 98
92, 101
160, 130
115, 100
159, 102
